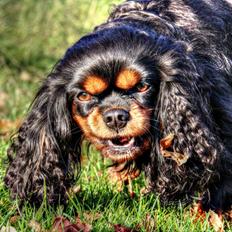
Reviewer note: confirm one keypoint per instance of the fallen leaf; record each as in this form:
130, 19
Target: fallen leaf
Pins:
120, 228
7, 126
167, 141
73, 228
149, 223
92, 216
82, 226
8, 229
74, 190
176, 156
216, 221
228, 215
59, 224
35, 226
145, 190
14, 219
197, 212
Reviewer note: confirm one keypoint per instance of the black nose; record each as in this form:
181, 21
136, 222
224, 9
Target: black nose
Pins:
116, 118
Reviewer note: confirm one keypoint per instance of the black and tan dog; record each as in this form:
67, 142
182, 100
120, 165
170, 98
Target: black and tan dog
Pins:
152, 89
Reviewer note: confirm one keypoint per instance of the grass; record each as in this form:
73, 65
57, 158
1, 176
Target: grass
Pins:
34, 36
99, 203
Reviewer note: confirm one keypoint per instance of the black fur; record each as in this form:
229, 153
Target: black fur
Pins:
185, 46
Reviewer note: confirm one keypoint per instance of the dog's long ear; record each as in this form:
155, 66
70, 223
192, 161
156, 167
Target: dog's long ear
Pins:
187, 146
46, 148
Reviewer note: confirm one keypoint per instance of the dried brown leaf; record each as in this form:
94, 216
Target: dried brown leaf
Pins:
121, 228
92, 216
216, 221
197, 212
228, 215
176, 156
62, 224
145, 190
149, 223
7, 126
14, 219
59, 224
166, 142
82, 226
74, 190
73, 228
35, 226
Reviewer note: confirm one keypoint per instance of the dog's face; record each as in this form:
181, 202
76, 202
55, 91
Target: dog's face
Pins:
114, 111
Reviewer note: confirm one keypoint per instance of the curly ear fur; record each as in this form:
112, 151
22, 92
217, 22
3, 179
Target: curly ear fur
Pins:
184, 109
46, 148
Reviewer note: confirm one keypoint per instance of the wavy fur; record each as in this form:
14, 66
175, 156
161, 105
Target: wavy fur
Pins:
186, 47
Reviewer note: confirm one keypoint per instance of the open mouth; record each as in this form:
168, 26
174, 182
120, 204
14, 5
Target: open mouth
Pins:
122, 142
121, 149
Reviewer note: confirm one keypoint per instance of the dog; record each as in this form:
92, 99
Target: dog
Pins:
151, 88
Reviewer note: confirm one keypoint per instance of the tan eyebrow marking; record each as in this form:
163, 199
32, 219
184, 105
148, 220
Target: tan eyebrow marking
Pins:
127, 79
94, 84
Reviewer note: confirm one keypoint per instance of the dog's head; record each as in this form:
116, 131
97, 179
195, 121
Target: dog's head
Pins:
114, 91
114, 101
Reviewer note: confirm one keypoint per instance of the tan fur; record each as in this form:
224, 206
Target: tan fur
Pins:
81, 121
127, 79
94, 84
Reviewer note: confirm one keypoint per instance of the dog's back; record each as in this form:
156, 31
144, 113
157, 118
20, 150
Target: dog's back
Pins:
194, 18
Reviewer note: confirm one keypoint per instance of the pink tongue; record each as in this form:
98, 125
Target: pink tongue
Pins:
124, 140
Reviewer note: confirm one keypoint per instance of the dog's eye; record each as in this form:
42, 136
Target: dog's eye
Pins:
83, 96
142, 87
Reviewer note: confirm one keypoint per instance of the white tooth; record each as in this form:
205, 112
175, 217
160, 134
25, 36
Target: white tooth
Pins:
110, 143
131, 141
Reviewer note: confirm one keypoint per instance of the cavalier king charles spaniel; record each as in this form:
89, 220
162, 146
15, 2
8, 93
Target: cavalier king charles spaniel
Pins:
151, 89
